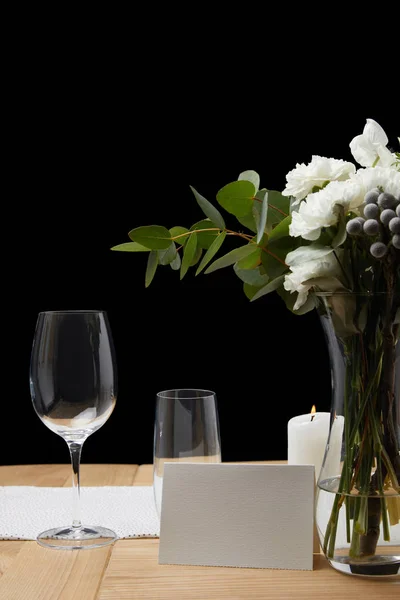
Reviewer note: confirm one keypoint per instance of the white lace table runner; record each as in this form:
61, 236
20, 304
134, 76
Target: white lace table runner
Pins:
26, 511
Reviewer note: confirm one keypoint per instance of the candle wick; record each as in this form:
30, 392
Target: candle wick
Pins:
312, 417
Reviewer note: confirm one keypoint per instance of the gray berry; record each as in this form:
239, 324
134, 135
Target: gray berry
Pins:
361, 220
378, 249
371, 211
398, 210
396, 241
371, 197
371, 227
387, 215
394, 225
354, 227
386, 200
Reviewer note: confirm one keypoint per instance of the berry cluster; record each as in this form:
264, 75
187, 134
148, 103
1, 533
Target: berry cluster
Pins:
381, 210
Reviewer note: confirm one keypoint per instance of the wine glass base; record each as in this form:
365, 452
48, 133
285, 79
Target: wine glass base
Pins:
72, 538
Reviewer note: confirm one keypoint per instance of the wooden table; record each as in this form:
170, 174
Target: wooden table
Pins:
129, 569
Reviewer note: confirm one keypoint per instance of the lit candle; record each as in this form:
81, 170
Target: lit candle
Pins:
307, 439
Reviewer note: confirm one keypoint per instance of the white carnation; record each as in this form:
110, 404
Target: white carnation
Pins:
307, 263
385, 178
302, 179
369, 148
321, 208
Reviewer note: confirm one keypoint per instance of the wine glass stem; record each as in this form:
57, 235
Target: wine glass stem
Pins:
75, 450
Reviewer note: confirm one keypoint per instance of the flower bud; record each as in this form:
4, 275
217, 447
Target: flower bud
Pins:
371, 227
378, 249
398, 210
371, 197
354, 227
386, 200
387, 215
371, 211
394, 225
396, 241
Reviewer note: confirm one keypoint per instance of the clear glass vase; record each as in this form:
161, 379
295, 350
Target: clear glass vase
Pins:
358, 493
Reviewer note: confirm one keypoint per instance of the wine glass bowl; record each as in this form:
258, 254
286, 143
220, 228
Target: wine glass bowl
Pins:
73, 384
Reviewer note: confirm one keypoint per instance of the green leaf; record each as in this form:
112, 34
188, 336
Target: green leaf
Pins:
212, 251
208, 209
231, 258
197, 256
273, 267
205, 238
278, 208
250, 290
341, 234
260, 210
151, 268
253, 277
248, 222
273, 259
188, 254
154, 237
252, 260
270, 287
165, 257
281, 230
176, 263
175, 231
251, 176
290, 300
130, 247
237, 197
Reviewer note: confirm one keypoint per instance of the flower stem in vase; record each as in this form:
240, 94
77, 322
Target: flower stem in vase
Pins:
370, 473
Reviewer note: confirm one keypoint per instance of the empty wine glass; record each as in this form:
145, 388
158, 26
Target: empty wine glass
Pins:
186, 430
73, 384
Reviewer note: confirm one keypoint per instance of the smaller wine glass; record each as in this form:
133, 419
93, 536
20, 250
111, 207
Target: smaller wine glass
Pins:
73, 383
186, 430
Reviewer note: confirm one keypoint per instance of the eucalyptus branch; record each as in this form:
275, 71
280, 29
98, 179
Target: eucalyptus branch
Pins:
176, 237
245, 236
235, 233
278, 210
274, 256
272, 206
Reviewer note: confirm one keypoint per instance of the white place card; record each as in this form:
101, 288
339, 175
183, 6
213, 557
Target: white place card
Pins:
232, 515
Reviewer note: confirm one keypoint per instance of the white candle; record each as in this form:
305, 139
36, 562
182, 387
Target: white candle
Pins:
307, 439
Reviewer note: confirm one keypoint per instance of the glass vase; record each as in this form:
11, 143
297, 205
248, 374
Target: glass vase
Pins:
358, 493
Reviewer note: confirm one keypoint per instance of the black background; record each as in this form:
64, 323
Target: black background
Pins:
108, 137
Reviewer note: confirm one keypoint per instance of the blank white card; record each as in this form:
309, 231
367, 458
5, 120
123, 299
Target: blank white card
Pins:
247, 515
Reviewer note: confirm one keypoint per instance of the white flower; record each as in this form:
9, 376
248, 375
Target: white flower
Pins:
369, 148
302, 179
306, 263
385, 178
321, 208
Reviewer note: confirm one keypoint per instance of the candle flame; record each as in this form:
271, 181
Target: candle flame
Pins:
313, 411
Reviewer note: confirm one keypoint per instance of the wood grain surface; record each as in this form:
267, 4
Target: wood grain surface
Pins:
129, 569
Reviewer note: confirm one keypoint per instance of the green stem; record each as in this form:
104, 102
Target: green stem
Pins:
385, 523
360, 523
330, 534
347, 472
355, 538
348, 284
